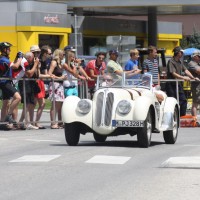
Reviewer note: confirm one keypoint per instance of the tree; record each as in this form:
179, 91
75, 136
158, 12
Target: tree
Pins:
192, 41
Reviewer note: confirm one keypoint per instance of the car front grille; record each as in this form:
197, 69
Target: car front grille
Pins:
104, 106
99, 109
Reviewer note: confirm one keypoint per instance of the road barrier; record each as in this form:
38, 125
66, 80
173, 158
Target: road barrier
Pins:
82, 91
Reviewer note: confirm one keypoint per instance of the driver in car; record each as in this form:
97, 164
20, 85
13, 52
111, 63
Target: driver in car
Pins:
107, 80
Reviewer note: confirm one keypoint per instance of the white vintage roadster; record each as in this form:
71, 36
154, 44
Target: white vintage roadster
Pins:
122, 106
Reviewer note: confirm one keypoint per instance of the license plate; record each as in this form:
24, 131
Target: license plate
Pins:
127, 123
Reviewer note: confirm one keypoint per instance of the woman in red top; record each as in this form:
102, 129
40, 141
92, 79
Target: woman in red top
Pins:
95, 68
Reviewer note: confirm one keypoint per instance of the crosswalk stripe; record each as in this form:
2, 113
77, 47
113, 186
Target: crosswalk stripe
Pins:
182, 162
36, 158
36, 140
102, 159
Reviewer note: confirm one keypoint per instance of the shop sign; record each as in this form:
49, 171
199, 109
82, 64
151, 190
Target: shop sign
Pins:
51, 20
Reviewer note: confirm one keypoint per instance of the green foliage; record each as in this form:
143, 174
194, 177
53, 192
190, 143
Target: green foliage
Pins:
191, 41
184, 43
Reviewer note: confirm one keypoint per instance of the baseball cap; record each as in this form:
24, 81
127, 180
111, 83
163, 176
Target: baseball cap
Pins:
196, 53
177, 49
34, 48
113, 51
69, 48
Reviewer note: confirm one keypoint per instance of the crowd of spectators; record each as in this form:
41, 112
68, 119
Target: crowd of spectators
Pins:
55, 75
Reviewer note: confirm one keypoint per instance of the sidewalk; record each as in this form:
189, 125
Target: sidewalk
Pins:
44, 121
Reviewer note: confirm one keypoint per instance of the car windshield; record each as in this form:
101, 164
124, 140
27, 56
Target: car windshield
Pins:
112, 80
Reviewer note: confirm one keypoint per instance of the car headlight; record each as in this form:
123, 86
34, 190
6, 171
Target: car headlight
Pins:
83, 106
124, 107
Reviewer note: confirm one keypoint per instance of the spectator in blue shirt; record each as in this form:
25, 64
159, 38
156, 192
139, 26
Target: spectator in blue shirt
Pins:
132, 64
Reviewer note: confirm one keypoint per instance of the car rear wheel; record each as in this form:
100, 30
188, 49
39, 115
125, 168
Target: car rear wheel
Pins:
144, 133
170, 136
99, 138
72, 134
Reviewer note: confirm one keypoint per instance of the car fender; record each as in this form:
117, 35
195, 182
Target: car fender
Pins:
70, 113
170, 104
141, 107
167, 120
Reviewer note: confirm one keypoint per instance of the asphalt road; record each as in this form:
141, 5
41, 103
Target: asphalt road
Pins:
39, 165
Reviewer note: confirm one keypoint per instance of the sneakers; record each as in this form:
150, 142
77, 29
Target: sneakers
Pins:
31, 127
10, 120
22, 126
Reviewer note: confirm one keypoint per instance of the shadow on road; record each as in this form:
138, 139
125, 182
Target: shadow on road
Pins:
113, 143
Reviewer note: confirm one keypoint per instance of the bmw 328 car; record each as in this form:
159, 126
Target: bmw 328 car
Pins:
122, 105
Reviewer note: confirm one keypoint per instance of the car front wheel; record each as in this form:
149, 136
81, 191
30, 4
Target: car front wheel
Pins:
72, 134
144, 133
99, 138
170, 136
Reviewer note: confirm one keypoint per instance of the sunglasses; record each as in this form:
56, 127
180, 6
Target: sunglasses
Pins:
107, 80
101, 57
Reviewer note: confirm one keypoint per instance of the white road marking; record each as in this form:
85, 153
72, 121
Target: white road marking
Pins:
192, 145
182, 162
35, 140
3, 138
36, 158
108, 159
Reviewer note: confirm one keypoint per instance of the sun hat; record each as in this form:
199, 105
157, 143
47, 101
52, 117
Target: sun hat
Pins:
34, 48
196, 53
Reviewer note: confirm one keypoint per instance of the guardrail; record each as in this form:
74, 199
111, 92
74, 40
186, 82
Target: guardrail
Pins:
82, 91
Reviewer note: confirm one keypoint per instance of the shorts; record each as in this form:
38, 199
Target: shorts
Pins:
195, 89
8, 90
71, 92
58, 93
29, 93
42, 93
29, 98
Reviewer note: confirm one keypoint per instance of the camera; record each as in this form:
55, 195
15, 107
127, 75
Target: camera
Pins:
19, 54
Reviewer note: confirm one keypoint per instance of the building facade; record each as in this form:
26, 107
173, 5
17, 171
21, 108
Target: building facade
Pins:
25, 23
29, 22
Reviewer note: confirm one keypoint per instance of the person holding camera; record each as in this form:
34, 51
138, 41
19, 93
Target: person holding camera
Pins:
73, 70
9, 92
17, 74
71, 67
31, 89
44, 55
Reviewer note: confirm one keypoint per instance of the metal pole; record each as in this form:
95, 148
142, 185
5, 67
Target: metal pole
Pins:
54, 102
24, 106
177, 93
75, 34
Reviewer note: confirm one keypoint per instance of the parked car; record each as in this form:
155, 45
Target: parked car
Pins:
120, 106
